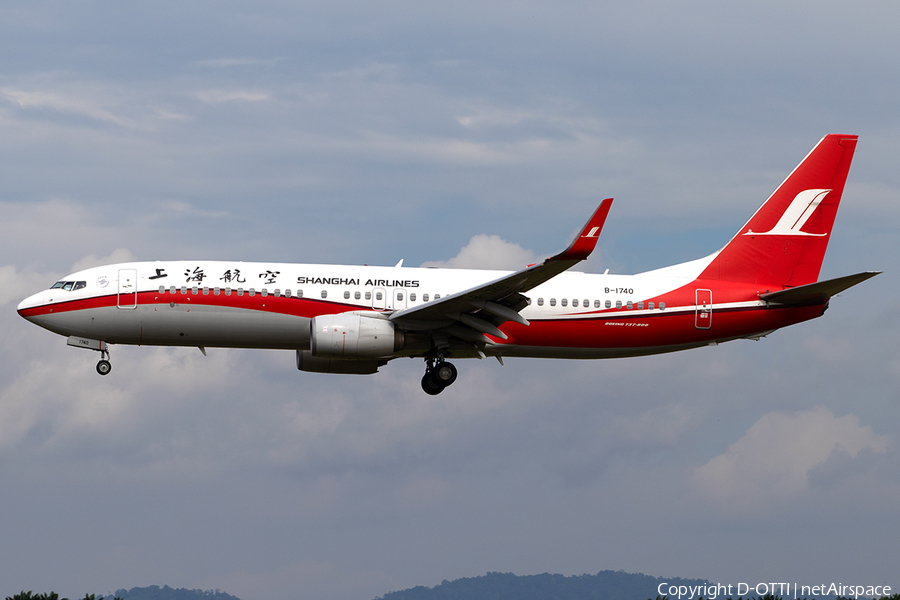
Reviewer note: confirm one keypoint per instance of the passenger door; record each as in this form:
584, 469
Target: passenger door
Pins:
127, 289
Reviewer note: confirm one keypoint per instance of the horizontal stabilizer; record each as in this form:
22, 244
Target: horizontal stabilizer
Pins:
816, 293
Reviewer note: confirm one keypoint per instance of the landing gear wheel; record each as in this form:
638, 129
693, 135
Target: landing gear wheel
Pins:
431, 385
104, 367
445, 373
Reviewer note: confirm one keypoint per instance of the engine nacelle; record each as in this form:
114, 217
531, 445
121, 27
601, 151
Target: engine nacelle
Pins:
314, 364
353, 336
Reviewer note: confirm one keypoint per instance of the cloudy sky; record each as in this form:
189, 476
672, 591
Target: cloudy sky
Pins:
472, 134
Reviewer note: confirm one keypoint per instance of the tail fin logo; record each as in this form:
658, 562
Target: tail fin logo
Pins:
797, 214
594, 232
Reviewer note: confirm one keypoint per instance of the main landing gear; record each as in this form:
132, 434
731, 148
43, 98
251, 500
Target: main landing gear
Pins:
438, 375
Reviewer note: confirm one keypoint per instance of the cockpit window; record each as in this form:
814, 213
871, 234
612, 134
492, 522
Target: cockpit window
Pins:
69, 285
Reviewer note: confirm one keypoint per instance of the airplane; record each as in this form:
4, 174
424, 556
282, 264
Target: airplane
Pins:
354, 319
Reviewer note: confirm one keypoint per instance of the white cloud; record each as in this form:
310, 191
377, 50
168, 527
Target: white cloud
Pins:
16, 285
563, 116
771, 463
95, 101
488, 252
664, 425
119, 255
237, 62
52, 231
88, 107
218, 96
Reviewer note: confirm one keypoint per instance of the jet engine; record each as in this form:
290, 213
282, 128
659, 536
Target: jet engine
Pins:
353, 336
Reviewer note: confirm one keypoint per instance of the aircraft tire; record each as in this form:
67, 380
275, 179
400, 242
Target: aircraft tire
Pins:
431, 385
445, 373
104, 367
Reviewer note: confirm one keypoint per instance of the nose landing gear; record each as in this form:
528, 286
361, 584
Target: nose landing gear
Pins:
104, 366
438, 375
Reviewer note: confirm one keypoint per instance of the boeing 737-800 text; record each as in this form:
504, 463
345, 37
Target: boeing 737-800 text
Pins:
354, 319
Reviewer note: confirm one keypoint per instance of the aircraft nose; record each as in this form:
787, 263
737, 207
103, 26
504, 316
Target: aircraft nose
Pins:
27, 305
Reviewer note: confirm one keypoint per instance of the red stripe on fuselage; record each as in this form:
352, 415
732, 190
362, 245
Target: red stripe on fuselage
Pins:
663, 329
609, 328
298, 307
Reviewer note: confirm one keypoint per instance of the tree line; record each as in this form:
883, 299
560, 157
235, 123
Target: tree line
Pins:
23, 595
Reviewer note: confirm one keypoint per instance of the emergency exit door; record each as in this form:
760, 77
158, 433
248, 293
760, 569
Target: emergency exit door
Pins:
703, 311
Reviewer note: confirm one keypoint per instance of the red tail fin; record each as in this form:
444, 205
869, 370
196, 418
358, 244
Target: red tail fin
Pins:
783, 244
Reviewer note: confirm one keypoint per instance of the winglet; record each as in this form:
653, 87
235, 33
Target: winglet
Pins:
586, 241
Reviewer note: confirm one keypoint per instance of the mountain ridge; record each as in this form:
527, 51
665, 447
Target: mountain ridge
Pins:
605, 585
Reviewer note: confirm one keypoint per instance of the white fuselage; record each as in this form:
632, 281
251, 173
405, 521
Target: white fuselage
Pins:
269, 305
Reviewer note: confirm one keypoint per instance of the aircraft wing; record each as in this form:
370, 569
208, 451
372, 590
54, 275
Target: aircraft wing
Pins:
816, 293
481, 310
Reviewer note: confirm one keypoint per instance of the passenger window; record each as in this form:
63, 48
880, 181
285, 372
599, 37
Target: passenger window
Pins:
437, 296
574, 303
608, 304
400, 296
264, 292
299, 293
662, 306
586, 304
195, 290
564, 302
251, 291
277, 293
412, 297
287, 293
368, 295
356, 295
629, 306
378, 296
424, 297
205, 291
618, 304
650, 306
240, 291
347, 295
596, 304
552, 301
172, 289
228, 291
162, 289
184, 290
324, 293
641, 305
540, 301
216, 291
